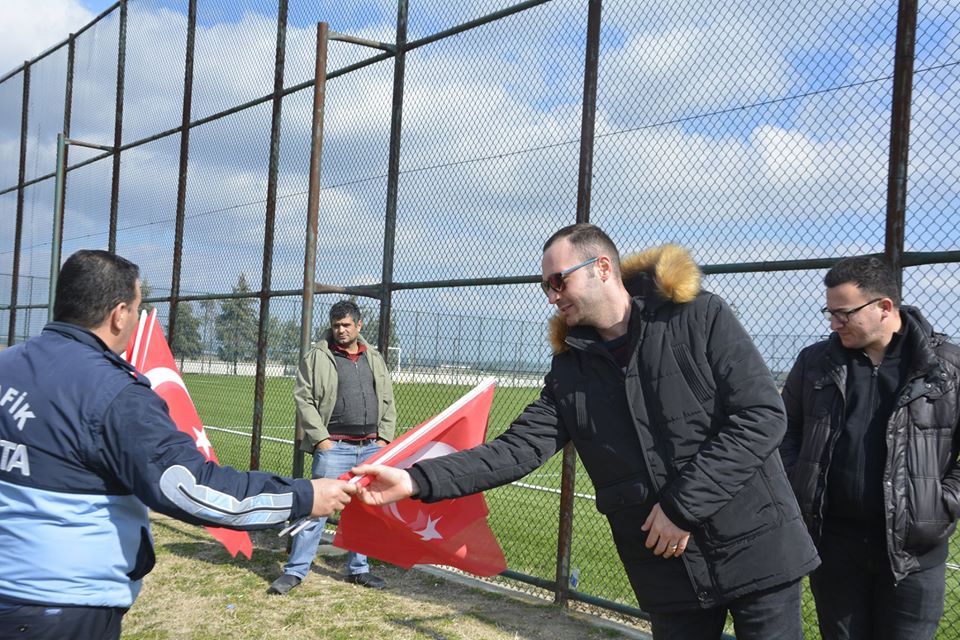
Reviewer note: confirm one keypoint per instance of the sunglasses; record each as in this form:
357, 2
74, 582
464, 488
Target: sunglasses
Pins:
555, 281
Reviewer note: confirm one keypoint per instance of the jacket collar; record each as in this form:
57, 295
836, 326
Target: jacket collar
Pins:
85, 337
655, 277
919, 340
77, 333
327, 338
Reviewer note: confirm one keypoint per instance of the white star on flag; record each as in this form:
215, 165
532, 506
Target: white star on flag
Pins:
202, 442
430, 532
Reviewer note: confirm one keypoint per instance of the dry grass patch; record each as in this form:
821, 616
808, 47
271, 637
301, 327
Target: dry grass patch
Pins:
197, 591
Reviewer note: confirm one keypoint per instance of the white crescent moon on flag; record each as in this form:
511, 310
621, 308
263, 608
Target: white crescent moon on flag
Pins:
161, 375
392, 510
430, 450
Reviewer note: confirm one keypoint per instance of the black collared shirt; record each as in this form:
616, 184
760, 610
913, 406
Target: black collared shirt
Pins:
855, 483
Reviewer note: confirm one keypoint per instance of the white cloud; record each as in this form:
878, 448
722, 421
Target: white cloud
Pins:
30, 27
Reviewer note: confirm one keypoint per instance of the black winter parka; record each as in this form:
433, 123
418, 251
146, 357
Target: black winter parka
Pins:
921, 479
705, 420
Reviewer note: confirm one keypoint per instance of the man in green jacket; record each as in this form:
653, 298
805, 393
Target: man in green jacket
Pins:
345, 403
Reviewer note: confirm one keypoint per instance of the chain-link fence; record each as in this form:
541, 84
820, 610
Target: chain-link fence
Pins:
772, 138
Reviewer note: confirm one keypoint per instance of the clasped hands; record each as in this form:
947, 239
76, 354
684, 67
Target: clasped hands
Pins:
384, 485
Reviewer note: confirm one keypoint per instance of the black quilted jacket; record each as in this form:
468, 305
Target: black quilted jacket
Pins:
921, 482
703, 422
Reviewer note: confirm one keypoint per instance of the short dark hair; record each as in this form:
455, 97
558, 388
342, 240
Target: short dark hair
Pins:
589, 241
91, 283
343, 309
871, 275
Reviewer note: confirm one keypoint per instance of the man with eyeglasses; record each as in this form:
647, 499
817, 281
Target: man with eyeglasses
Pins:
871, 450
677, 421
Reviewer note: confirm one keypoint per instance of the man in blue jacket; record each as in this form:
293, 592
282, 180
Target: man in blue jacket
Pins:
86, 447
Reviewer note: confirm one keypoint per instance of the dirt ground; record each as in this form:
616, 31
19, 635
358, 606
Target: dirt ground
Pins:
197, 591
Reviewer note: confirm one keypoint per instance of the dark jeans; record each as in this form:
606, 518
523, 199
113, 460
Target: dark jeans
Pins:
57, 622
774, 613
858, 600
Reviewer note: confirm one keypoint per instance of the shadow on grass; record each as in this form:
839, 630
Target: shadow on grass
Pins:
269, 550
419, 625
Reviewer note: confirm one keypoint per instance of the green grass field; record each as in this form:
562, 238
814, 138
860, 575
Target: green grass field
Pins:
524, 520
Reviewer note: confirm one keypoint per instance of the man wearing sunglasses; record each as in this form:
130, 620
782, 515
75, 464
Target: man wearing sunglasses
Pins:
871, 450
677, 421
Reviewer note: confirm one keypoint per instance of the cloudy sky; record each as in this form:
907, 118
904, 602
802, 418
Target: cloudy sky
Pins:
759, 132
32, 26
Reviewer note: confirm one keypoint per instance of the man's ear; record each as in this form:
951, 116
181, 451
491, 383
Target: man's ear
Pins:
118, 315
605, 267
886, 305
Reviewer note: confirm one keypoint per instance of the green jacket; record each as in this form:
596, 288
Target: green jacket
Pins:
315, 392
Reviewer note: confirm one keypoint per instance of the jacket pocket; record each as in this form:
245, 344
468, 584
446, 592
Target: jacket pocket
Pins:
629, 493
930, 524
146, 557
750, 513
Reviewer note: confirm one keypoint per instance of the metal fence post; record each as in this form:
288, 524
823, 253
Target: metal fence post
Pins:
68, 108
118, 127
313, 206
56, 240
393, 178
268, 231
60, 186
900, 134
182, 173
588, 116
18, 233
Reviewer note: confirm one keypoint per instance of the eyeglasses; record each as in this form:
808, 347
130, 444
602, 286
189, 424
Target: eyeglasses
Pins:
843, 317
555, 281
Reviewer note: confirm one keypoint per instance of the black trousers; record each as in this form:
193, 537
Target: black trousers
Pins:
773, 613
857, 599
57, 622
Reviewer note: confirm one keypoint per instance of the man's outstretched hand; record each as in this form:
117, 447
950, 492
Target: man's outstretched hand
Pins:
330, 495
387, 484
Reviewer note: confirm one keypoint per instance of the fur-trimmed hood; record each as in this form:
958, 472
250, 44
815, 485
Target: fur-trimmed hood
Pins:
666, 273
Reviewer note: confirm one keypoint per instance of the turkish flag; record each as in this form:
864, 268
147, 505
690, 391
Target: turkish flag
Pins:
149, 353
451, 532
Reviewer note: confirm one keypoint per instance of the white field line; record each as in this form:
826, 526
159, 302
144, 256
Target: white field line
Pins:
522, 485
247, 434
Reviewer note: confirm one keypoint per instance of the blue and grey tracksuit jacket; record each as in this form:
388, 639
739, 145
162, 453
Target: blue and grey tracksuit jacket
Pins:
85, 448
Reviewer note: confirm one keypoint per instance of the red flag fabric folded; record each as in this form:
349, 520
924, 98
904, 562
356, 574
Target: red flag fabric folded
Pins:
451, 532
149, 352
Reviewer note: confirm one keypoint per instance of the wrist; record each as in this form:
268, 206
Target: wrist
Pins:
419, 484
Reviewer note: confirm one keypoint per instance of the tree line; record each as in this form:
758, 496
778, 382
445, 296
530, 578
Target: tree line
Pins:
231, 332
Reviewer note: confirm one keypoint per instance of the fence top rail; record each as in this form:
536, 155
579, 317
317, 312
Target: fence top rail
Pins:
63, 43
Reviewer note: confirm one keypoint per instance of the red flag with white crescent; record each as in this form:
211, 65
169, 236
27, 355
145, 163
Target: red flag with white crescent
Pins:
450, 532
150, 354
